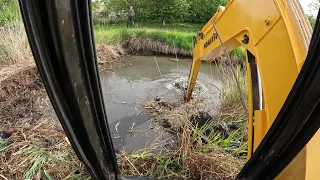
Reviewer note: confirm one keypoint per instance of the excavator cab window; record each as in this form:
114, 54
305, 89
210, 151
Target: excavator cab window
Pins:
60, 33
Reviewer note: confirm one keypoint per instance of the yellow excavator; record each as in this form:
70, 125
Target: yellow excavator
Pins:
283, 70
276, 36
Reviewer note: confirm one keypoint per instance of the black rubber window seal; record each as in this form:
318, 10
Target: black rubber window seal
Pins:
60, 34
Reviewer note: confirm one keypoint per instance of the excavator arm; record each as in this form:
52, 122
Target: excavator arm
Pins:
276, 40
276, 36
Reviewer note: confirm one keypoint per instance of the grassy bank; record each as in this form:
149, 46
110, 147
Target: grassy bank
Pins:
122, 35
170, 39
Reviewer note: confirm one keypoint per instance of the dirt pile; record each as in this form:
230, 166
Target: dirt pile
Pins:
108, 54
172, 114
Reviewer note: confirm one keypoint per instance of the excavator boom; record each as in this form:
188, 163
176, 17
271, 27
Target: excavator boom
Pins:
276, 36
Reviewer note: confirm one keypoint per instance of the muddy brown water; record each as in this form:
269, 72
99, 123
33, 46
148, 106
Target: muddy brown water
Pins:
127, 87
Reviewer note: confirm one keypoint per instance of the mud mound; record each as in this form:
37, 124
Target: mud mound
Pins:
171, 114
107, 54
180, 86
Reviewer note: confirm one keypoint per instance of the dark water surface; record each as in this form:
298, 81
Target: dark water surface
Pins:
128, 86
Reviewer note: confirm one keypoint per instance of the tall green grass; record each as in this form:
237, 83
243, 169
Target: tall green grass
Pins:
184, 27
233, 143
239, 53
229, 95
42, 161
120, 36
14, 45
9, 11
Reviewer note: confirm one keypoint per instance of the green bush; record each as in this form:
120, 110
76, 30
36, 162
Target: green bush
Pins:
239, 53
204, 10
167, 10
312, 20
144, 9
9, 11
171, 10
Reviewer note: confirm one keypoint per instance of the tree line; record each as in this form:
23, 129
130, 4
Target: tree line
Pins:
194, 11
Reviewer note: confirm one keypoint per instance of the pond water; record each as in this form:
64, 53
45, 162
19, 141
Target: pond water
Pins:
127, 87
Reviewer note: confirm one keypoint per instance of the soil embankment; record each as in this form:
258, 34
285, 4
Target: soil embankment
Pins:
37, 143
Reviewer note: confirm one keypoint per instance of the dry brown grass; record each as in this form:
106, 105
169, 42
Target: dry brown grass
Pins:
148, 165
231, 95
15, 50
233, 100
16, 93
38, 144
213, 165
39, 147
196, 164
7, 72
107, 54
36, 149
14, 46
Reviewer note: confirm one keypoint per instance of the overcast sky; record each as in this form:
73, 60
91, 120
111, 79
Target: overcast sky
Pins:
307, 10
305, 3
